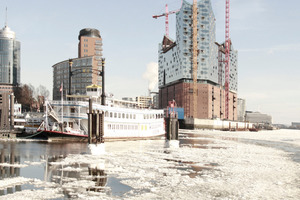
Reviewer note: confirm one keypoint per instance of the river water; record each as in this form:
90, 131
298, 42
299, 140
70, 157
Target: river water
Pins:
205, 165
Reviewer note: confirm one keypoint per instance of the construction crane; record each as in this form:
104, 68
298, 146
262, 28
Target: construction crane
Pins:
166, 14
227, 59
195, 59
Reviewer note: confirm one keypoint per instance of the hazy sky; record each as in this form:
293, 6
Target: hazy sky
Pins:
266, 34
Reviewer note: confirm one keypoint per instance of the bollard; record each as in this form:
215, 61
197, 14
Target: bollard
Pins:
172, 128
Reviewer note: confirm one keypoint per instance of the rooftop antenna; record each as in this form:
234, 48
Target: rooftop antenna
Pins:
6, 18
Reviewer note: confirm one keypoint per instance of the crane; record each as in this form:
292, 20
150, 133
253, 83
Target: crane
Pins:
227, 59
166, 14
195, 59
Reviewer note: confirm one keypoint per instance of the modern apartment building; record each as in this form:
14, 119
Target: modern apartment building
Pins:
82, 71
9, 57
176, 66
144, 101
258, 118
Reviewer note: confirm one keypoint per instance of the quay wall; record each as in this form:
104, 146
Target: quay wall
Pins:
4, 134
191, 123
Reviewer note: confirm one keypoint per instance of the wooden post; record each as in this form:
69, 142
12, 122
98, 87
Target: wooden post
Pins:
95, 125
172, 128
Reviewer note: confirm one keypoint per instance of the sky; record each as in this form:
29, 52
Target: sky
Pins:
266, 34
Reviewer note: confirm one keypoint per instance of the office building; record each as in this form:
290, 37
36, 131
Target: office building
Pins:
176, 67
9, 57
144, 101
6, 113
85, 70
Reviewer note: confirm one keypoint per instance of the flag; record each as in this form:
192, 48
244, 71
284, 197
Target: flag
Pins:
61, 87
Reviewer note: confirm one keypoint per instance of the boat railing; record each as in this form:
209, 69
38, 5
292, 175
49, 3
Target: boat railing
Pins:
80, 115
65, 103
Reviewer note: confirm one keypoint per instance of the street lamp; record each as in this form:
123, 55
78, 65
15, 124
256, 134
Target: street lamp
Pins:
70, 76
103, 83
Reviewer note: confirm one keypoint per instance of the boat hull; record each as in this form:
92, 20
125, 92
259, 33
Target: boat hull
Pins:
65, 136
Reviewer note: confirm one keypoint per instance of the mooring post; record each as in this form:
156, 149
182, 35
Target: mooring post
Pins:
172, 122
95, 125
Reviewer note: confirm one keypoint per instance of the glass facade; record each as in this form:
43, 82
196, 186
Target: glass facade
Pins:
82, 76
85, 69
9, 57
176, 63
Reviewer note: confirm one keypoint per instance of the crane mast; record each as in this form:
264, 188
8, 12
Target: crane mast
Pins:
227, 59
195, 54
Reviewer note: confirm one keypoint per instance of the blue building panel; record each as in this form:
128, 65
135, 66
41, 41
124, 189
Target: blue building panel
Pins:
179, 111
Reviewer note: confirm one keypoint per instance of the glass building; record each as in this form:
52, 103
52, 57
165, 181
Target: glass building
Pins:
175, 66
9, 57
175, 57
85, 70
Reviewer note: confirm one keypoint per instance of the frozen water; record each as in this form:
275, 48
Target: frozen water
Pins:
207, 165
97, 149
172, 144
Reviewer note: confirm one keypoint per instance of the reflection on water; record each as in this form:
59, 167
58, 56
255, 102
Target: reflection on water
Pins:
24, 160
8, 157
197, 141
100, 179
44, 161
66, 175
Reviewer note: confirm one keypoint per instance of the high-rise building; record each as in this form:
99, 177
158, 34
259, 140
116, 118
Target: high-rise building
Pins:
176, 66
85, 69
9, 57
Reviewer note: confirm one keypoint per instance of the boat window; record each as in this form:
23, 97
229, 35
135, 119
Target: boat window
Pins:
123, 115
72, 110
121, 126
130, 116
119, 115
106, 114
110, 115
113, 126
109, 126
117, 126
115, 115
126, 116
134, 116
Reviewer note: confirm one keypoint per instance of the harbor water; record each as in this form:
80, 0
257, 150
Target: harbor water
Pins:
205, 165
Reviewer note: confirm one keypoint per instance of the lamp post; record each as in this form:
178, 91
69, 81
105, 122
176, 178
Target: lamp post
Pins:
103, 84
70, 76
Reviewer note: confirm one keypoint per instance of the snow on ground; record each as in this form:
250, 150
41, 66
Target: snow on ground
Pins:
215, 165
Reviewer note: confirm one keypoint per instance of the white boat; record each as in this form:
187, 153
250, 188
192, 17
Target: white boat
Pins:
122, 120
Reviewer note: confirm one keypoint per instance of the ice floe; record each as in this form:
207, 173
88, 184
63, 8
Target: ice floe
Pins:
227, 165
